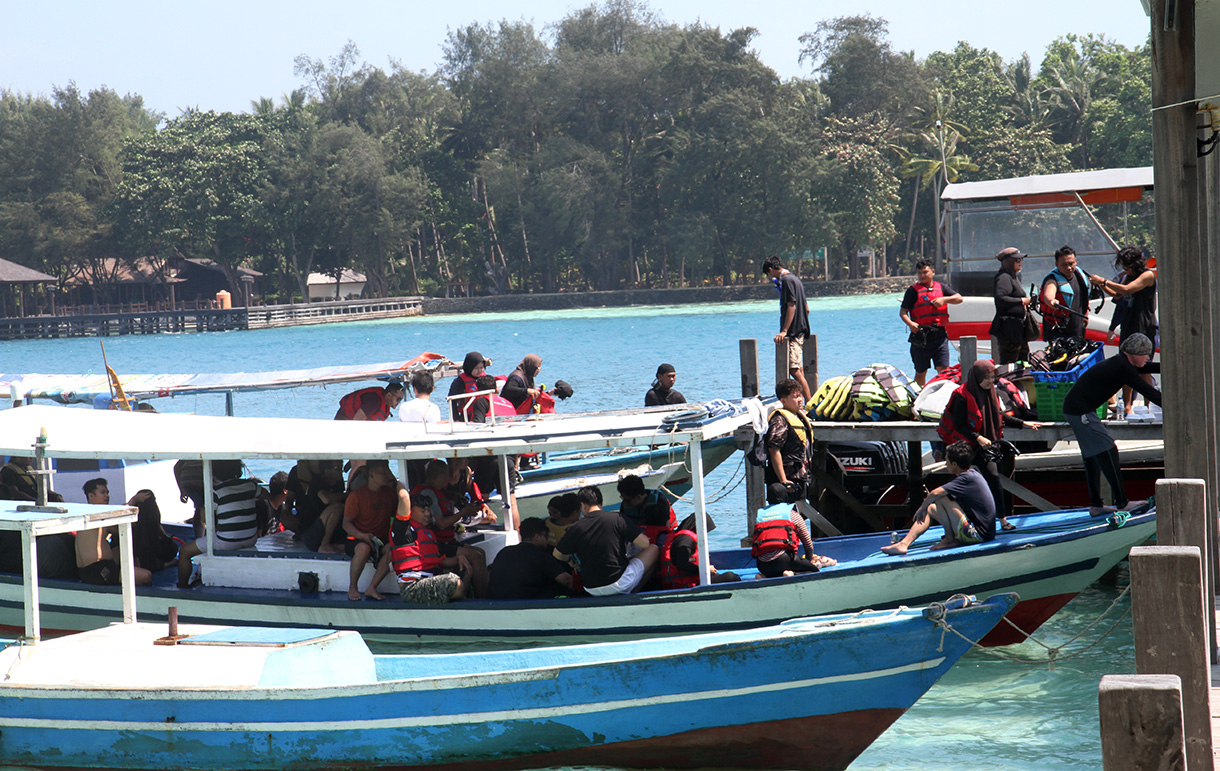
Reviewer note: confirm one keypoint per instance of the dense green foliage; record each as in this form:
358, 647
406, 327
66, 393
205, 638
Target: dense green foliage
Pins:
611, 150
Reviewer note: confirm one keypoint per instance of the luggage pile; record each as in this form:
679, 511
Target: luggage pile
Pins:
872, 393
930, 404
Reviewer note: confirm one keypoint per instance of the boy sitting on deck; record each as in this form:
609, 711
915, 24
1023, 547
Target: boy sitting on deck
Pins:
963, 506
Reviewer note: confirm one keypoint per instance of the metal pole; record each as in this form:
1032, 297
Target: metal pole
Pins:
696, 475
209, 506
29, 547
127, 571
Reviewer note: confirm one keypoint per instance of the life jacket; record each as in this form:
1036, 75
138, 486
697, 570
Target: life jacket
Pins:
501, 406
947, 430
925, 314
671, 577
421, 554
543, 404
655, 532
774, 535
1010, 395
469, 385
446, 508
352, 403
801, 427
1058, 314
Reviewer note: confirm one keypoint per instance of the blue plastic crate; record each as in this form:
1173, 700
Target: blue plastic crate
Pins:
1073, 374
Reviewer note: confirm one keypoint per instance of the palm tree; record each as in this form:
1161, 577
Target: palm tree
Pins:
1072, 85
1029, 106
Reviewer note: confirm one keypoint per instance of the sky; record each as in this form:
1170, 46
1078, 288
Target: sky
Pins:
224, 54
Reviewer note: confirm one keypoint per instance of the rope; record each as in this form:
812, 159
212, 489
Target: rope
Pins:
20, 642
1053, 652
732, 484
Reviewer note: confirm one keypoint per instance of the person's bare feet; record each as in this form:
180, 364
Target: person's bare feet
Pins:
328, 548
354, 595
373, 594
789, 573
945, 543
1101, 511
1131, 505
823, 562
899, 549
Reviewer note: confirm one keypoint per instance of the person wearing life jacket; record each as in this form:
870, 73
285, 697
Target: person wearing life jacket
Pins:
473, 367
789, 443
370, 403
519, 388
778, 531
925, 311
444, 517
425, 576
637, 497
1064, 290
679, 565
974, 415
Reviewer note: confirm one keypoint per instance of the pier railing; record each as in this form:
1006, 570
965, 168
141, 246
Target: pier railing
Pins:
144, 319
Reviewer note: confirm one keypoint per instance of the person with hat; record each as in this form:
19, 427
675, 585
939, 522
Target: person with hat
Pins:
1011, 303
1094, 388
662, 391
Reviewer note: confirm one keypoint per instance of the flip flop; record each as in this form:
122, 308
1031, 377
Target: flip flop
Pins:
1009, 526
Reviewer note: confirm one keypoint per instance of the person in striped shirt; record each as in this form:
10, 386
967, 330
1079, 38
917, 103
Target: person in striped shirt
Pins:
235, 499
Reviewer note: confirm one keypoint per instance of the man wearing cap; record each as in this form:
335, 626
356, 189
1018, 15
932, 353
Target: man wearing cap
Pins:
662, 391
1008, 327
1094, 388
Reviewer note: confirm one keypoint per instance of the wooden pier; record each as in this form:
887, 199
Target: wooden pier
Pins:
146, 321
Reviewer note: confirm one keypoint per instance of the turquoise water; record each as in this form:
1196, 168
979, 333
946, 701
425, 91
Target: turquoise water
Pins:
987, 713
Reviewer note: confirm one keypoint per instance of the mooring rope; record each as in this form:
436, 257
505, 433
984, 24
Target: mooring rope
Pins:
1054, 652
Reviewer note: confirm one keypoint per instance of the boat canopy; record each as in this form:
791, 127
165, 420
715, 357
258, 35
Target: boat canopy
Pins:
1045, 184
79, 433
83, 389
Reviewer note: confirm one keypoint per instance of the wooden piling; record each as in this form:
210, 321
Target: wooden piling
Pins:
1182, 520
1141, 723
1167, 609
967, 353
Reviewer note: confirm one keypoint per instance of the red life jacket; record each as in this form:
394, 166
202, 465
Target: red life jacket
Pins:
653, 532
671, 577
501, 406
421, 554
925, 314
469, 385
774, 535
352, 403
446, 506
974, 415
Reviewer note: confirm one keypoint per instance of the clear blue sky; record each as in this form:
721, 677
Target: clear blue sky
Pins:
222, 54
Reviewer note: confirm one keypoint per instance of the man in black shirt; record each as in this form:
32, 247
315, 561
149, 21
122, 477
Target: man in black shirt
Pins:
599, 540
662, 391
528, 570
1008, 327
793, 319
1094, 388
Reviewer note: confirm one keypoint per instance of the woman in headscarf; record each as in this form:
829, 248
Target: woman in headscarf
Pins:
473, 367
974, 415
520, 384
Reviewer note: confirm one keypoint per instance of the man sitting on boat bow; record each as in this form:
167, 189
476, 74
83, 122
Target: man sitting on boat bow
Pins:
964, 506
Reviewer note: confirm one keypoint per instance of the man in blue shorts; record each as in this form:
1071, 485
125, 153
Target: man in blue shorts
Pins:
925, 311
964, 506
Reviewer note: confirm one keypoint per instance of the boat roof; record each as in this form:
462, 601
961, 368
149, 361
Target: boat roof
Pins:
87, 433
83, 389
1044, 184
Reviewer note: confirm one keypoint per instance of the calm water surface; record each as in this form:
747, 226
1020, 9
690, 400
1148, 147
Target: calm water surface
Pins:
987, 713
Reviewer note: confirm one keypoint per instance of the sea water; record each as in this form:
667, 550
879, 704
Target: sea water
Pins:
989, 712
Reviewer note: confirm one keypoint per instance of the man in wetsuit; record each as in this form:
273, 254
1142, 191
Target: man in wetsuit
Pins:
1008, 327
793, 319
662, 391
1094, 388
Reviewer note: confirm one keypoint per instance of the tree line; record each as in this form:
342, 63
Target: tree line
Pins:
607, 150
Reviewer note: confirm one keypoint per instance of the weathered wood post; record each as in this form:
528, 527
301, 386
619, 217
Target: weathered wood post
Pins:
755, 487
1181, 508
1141, 723
967, 353
809, 363
1170, 639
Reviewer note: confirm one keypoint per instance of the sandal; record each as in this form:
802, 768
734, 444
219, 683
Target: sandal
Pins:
1009, 526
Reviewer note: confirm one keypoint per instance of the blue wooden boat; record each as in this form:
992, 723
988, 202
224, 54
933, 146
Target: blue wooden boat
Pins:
810, 693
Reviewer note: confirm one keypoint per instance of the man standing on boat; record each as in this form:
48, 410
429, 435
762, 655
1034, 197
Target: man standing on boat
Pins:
370, 403
1094, 388
662, 391
793, 319
1011, 304
1065, 298
925, 311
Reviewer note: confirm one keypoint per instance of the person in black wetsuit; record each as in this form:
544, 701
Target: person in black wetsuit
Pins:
662, 391
1137, 290
1094, 388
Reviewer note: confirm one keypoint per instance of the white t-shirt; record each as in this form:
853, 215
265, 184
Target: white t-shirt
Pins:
419, 411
